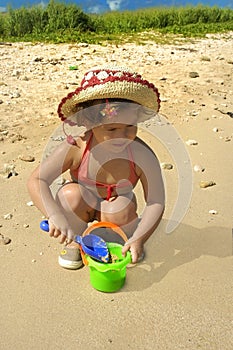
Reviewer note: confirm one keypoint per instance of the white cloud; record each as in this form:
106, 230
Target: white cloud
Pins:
95, 9
43, 4
114, 5
2, 9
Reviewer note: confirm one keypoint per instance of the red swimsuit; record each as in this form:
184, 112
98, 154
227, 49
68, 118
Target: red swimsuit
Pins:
81, 173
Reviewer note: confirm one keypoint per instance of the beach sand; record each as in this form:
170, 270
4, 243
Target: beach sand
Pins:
180, 296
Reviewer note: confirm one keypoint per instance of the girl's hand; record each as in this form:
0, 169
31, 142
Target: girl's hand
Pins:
58, 226
136, 250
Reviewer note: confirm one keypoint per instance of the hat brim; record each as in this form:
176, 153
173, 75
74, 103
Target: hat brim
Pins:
130, 90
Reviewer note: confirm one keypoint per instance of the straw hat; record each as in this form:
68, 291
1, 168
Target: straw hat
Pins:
107, 83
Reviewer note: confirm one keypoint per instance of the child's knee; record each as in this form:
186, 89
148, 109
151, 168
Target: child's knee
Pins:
120, 216
67, 196
73, 196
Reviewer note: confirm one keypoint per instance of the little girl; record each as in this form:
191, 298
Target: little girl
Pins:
105, 163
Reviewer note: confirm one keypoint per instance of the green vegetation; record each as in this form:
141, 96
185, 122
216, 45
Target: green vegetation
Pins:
59, 22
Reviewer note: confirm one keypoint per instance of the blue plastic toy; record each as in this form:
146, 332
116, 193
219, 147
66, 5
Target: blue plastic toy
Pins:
92, 245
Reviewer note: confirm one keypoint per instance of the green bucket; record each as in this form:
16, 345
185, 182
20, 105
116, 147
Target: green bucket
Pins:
109, 277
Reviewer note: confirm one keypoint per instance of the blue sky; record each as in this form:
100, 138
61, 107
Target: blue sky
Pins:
98, 6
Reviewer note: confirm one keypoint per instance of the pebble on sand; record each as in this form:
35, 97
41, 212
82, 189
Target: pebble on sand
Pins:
27, 158
8, 216
213, 212
215, 129
198, 168
4, 240
191, 142
204, 184
193, 75
9, 170
166, 166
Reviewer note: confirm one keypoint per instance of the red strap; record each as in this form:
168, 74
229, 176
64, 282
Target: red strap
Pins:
110, 189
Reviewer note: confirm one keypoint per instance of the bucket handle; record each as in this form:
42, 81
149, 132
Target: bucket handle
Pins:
106, 224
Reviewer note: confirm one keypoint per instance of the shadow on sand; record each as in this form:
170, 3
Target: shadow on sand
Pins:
165, 252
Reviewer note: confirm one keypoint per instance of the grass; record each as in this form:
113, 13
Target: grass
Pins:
67, 23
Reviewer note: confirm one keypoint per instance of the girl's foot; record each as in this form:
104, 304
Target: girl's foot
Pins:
70, 257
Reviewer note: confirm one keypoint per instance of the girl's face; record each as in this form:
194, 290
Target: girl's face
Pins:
115, 134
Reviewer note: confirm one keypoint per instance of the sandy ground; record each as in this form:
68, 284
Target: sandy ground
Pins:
180, 297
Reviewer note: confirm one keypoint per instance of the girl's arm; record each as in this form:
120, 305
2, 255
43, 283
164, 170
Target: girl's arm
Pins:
154, 195
153, 189
39, 186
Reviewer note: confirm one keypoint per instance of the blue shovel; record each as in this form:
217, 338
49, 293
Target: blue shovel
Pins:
92, 245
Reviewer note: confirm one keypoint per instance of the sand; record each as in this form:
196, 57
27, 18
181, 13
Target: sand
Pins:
180, 296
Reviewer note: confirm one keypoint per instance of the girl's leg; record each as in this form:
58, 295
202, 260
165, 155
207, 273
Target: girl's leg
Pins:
79, 205
121, 211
